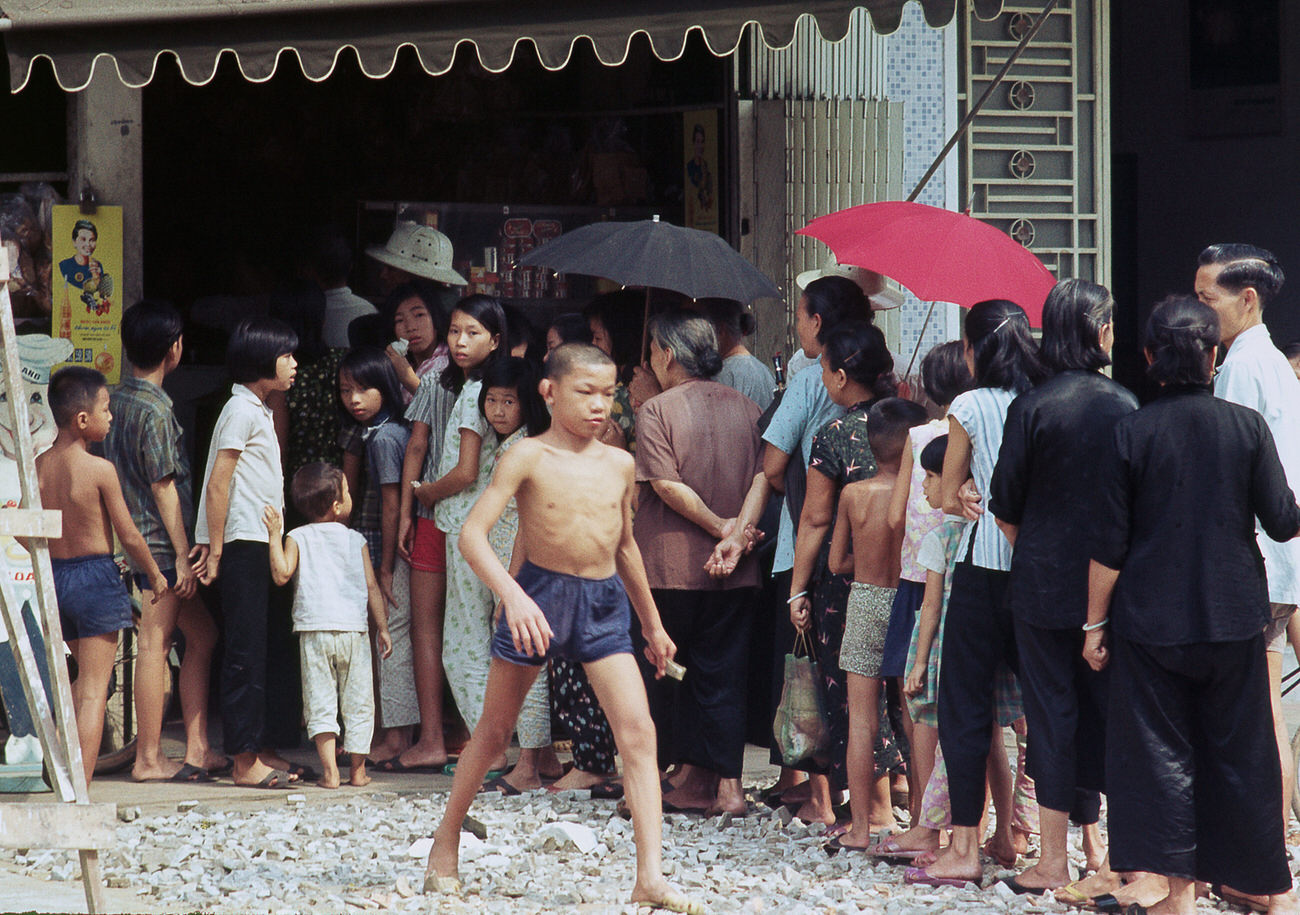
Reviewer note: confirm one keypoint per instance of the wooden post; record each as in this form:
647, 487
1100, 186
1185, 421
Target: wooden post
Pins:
89, 826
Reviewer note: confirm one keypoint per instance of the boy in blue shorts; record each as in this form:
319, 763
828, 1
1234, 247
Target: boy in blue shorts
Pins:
93, 603
573, 555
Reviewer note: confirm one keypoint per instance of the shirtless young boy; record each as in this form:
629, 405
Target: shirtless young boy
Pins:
574, 552
873, 561
93, 603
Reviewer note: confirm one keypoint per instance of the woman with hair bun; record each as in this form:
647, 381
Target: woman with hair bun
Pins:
697, 454
741, 369
1177, 606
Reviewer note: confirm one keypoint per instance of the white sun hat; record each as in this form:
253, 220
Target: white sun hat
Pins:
880, 293
419, 250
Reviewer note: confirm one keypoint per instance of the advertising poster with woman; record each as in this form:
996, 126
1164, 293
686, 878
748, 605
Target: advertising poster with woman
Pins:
700, 187
87, 284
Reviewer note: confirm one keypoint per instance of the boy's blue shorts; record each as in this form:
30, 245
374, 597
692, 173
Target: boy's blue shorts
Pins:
590, 618
92, 598
142, 580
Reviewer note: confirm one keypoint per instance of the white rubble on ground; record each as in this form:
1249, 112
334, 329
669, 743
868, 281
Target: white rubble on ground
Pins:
365, 851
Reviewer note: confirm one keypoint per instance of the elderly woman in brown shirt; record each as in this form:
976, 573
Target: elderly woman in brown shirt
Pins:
698, 450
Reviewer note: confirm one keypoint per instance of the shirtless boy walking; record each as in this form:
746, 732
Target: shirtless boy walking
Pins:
93, 603
573, 554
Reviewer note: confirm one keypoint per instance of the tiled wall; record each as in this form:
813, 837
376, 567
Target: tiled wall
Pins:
921, 74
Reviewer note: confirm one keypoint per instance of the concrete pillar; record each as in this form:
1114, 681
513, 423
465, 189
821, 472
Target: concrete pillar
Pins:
105, 153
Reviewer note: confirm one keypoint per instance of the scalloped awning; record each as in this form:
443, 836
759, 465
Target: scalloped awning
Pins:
78, 35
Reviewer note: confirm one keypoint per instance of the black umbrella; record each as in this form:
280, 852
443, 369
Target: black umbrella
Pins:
653, 253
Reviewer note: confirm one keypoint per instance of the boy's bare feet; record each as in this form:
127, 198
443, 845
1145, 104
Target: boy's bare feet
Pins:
328, 780
443, 865
359, 777
662, 895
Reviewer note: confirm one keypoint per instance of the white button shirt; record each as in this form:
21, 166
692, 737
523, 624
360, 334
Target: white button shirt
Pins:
246, 426
1255, 374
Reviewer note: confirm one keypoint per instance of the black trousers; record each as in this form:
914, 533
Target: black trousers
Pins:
1065, 711
978, 635
783, 632
245, 581
1193, 775
701, 720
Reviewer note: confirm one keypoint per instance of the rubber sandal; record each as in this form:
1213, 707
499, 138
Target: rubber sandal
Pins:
1228, 894
890, 851
194, 774
1021, 890
919, 876
394, 764
607, 790
226, 768
501, 786
835, 846
275, 780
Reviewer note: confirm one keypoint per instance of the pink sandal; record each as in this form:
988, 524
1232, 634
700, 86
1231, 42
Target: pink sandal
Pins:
920, 876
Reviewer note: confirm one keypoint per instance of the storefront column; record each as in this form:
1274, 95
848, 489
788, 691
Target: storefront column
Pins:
105, 155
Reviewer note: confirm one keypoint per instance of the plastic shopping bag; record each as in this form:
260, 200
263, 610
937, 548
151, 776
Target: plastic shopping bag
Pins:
800, 723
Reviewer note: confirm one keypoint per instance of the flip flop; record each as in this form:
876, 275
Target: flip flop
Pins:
394, 764
189, 773
304, 773
1070, 894
1107, 902
450, 769
891, 851
1021, 890
275, 780
670, 807
835, 846
919, 876
500, 785
608, 790
1228, 894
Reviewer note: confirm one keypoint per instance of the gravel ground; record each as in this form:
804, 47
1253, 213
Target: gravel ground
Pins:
543, 853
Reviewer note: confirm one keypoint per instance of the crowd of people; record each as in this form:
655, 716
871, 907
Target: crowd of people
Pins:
1010, 542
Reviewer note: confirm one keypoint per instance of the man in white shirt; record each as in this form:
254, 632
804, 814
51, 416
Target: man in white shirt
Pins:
1238, 282
331, 263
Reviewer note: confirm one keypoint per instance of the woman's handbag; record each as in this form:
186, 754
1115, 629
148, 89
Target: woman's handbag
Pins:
800, 723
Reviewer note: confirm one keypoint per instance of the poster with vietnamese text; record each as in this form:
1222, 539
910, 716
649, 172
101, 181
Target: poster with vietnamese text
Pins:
87, 307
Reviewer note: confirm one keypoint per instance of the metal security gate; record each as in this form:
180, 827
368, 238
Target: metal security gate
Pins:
808, 158
1037, 160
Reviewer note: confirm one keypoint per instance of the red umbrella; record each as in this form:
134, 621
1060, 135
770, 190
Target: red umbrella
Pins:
938, 254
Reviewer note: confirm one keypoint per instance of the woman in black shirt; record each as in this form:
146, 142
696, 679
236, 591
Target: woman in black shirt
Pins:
1042, 494
1177, 581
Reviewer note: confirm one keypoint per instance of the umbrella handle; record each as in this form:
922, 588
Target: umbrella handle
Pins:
645, 326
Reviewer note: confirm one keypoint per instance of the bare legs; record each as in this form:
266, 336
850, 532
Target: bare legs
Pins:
617, 684
864, 704
329, 763
94, 656
428, 594
157, 624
